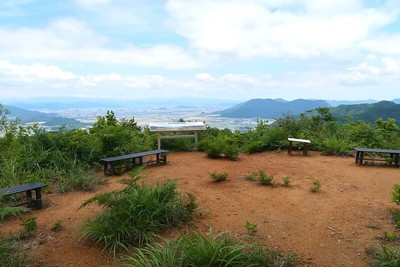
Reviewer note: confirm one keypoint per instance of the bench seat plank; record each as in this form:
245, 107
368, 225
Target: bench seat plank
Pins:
21, 188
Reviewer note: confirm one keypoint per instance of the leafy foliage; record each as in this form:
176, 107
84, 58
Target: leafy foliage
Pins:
218, 177
200, 250
134, 215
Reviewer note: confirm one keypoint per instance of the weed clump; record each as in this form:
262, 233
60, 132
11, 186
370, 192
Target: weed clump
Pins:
136, 214
208, 250
316, 186
218, 177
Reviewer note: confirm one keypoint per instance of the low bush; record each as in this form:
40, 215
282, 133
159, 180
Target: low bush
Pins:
265, 179
316, 186
335, 146
134, 215
396, 193
218, 177
286, 181
200, 250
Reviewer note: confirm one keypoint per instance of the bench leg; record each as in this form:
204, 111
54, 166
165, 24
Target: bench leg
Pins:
29, 198
305, 149
38, 200
290, 147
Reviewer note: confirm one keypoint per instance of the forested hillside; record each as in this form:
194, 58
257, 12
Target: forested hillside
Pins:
368, 112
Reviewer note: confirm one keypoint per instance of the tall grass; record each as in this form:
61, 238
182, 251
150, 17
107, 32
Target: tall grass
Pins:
136, 214
211, 250
9, 254
385, 257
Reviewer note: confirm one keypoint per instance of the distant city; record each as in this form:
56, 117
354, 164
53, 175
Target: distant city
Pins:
144, 115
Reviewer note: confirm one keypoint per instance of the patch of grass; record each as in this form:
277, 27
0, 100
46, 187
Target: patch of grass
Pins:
390, 236
395, 213
252, 177
200, 250
316, 186
57, 226
286, 181
250, 227
396, 193
384, 256
134, 215
6, 211
10, 255
265, 179
219, 177
80, 181
30, 226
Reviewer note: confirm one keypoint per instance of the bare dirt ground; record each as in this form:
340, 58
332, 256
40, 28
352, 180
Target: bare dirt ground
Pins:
332, 227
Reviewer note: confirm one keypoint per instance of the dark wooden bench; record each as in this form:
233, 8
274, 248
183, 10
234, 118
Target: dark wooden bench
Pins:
132, 160
27, 188
364, 154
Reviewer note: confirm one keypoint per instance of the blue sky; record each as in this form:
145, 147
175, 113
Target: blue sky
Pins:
223, 49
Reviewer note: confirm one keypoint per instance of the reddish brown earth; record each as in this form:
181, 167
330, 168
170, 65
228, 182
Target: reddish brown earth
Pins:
332, 227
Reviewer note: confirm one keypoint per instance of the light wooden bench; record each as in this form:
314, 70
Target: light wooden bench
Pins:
305, 142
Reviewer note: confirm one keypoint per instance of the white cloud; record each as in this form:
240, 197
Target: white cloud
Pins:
257, 28
71, 40
205, 77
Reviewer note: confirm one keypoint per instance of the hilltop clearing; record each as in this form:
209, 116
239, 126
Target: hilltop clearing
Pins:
332, 227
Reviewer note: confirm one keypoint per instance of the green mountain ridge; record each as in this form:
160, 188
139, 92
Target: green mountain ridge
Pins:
368, 112
270, 108
45, 119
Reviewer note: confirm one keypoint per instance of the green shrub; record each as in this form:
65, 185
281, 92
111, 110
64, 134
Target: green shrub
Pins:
265, 179
57, 226
30, 226
252, 176
218, 177
286, 181
396, 193
335, 146
134, 215
316, 186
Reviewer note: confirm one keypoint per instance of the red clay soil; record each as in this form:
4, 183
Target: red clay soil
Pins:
332, 227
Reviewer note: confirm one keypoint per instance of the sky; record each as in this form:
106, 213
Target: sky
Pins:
220, 49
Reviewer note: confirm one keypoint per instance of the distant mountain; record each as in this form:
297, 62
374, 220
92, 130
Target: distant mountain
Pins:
335, 103
270, 108
368, 112
45, 119
397, 100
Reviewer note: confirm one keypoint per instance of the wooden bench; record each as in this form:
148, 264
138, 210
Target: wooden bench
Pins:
133, 160
392, 159
27, 188
305, 145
